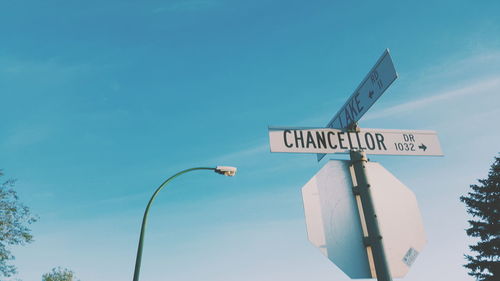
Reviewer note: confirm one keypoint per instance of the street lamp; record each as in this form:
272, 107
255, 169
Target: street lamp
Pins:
223, 170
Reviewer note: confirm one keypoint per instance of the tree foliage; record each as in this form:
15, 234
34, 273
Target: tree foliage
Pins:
483, 203
14, 221
59, 274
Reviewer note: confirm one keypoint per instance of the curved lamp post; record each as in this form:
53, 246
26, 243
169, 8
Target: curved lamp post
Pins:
223, 170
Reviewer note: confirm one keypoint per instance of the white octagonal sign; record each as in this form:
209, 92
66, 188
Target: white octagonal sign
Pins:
334, 224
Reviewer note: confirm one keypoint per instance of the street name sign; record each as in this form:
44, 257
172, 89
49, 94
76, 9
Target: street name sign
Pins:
378, 79
368, 92
335, 225
372, 141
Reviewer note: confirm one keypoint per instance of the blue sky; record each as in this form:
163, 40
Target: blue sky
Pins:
103, 100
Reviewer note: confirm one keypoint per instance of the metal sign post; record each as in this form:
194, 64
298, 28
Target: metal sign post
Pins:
374, 239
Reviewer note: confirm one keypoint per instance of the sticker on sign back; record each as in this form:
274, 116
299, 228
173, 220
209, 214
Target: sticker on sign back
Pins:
410, 257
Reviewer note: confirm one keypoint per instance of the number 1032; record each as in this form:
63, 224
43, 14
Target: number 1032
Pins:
404, 146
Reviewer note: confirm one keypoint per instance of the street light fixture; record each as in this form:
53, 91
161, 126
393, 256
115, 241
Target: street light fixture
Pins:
226, 170
223, 170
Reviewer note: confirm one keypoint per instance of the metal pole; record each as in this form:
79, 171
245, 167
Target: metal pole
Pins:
374, 239
145, 218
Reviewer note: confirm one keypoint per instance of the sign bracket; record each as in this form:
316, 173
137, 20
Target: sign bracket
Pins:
367, 241
355, 190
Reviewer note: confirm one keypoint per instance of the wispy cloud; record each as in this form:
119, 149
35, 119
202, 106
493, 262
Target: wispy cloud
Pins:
244, 153
26, 136
14, 66
187, 6
463, 65
481, 86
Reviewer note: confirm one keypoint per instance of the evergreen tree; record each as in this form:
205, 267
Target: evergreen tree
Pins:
483, 203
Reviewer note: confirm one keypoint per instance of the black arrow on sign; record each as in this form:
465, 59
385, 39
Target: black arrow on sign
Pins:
370, 94
423, 147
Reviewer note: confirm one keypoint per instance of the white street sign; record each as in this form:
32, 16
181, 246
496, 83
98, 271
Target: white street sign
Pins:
334, 223
372, 141
368, 92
